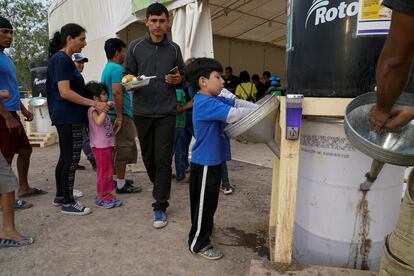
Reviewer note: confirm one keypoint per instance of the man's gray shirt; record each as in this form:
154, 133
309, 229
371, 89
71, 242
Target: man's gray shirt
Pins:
144, 57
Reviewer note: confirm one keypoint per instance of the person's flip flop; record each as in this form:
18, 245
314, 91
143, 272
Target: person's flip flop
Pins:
34, 192
22, 204
16, 243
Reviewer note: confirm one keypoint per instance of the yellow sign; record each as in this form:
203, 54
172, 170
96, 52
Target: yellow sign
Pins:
374, 10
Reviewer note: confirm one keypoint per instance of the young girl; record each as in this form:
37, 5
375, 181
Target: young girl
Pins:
102, 143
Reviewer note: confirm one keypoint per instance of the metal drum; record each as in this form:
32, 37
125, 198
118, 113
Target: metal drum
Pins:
336, 224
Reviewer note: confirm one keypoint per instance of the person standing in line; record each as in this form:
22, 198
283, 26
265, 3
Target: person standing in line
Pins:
126, 151
80, 61
13, 138
9, 236
102, 142
155, 105
67, 109
211, 149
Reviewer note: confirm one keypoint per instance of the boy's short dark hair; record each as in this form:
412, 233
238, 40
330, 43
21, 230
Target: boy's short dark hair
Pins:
113, 45
201, 67
266, 73
94, 88
156, 9
228, 68
256, 77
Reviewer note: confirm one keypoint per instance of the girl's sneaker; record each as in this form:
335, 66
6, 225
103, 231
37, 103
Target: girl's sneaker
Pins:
112, 198
75, 209
101, 202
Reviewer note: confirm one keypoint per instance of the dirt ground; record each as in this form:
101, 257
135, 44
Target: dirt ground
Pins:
122, 241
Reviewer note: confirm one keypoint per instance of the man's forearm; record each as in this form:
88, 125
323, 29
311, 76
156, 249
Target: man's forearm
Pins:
118, 103
395, 60
392, 74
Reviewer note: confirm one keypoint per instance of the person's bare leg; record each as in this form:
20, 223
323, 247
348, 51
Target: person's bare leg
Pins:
23, 162
9, 231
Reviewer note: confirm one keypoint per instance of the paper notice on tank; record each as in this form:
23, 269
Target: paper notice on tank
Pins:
373, 18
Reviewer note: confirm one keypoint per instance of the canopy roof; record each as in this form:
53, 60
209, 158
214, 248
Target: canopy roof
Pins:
256, 20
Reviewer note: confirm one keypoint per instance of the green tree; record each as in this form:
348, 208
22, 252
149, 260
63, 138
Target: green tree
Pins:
30, 39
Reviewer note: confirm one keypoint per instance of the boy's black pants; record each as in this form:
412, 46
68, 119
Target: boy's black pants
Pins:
156, 138
204, 193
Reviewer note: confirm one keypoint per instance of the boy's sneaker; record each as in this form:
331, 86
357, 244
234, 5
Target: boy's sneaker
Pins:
160, 219
210, 252
112, 198
58, 201
75, 209
102, 203
227, 189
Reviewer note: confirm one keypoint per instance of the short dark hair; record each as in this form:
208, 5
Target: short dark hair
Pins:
59, 38
94, 88
256, 77
244, 76
229, 68
112, 46
201, 67
267, 74
156, 9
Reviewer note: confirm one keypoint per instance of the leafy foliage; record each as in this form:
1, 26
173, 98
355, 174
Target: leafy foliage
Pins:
30, 39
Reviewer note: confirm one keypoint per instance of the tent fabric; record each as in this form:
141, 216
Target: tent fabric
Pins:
192, 31
253, 20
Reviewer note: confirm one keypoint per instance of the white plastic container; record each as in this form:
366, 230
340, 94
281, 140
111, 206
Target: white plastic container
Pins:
335, 225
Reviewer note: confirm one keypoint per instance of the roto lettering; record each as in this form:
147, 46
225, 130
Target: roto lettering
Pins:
323, 14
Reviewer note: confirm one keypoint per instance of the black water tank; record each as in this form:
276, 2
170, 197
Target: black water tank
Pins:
38, 75
327, 59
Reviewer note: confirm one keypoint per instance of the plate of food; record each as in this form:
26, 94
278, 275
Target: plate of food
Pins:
131, 81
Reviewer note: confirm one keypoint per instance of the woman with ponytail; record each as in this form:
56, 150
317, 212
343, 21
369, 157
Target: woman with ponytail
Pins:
67, 108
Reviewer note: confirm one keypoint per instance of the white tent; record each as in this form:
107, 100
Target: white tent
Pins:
248, 35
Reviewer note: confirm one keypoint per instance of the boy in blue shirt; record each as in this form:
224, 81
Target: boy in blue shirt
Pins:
212, 147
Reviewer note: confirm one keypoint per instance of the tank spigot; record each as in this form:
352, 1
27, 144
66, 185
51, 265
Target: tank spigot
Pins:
371, 176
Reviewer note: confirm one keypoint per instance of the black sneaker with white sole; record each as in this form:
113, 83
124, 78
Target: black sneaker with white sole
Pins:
227, 189
75, 209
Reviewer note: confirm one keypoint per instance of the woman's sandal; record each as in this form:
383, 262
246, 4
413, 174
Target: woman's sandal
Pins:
16, 243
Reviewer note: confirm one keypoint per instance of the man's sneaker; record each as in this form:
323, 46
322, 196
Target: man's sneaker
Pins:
75, 209
160, 219
102, 203
228, 189
58, 201
113, 199
210, 252
77, 193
